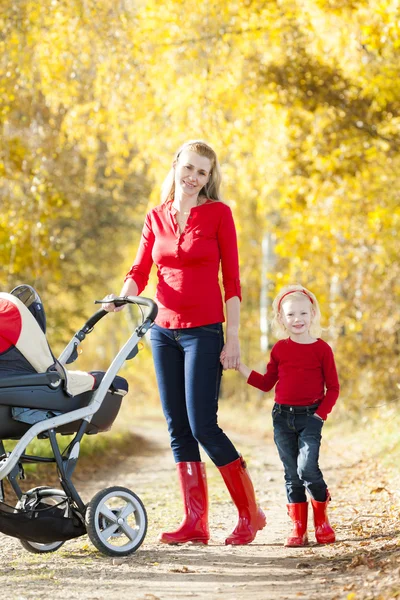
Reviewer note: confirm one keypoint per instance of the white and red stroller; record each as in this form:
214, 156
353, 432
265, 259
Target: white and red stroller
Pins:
40, 398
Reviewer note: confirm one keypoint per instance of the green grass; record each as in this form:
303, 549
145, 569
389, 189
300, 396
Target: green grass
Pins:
118, 441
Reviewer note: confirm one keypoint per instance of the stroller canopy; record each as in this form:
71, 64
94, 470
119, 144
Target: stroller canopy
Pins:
23, 344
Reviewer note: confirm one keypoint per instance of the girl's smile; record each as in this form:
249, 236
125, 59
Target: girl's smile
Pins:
296, 316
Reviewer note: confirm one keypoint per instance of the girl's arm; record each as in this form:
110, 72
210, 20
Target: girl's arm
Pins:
331, 384
244, 370
266, 382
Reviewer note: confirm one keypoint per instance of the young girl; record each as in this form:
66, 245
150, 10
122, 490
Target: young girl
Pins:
303, 368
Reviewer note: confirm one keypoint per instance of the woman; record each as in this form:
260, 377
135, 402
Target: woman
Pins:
188, 236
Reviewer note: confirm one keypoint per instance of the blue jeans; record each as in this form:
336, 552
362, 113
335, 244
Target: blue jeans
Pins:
188, 373
297, 436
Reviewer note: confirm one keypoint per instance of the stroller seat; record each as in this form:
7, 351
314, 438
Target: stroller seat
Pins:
34, 385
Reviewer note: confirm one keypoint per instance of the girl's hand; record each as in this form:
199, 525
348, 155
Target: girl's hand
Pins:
110, 306
230, 354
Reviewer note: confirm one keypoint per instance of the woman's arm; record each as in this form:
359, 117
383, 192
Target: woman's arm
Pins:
230, 355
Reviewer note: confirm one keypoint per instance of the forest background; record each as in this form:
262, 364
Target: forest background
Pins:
301, 100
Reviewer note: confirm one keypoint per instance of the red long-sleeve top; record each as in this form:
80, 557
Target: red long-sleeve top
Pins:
303, 373
188, 293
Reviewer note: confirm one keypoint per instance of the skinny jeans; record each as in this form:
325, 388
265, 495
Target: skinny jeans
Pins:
188, 372
297, 435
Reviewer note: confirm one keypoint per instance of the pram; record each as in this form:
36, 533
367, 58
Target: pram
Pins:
40, 397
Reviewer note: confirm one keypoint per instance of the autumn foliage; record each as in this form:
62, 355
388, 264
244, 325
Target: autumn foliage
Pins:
301, 100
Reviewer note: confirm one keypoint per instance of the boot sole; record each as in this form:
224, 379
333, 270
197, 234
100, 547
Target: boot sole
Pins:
237, 542
296, 545
189, 541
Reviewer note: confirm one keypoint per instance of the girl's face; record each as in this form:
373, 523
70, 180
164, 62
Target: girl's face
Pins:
296, 315
192, 172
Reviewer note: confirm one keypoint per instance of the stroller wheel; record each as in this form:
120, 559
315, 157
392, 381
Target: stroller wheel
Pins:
51, 500
116, 521
37, 548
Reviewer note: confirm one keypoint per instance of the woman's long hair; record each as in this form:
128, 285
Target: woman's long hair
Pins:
212, 188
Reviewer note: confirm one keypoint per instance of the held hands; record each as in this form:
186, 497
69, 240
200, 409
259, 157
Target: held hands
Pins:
230, 354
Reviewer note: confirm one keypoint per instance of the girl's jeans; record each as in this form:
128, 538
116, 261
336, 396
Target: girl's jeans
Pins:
188, 373
297, 435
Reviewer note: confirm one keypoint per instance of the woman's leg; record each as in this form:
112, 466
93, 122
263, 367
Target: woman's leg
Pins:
202, 347
169, 360
169, 364
203, 371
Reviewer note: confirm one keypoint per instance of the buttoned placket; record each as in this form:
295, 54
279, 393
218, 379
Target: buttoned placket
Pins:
178, 233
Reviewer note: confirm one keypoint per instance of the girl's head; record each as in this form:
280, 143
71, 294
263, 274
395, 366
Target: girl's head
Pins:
181, 164
296, 311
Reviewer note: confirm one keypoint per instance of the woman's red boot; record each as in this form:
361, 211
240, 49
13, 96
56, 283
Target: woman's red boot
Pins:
240, 487
194, 526
298, 512
324, 534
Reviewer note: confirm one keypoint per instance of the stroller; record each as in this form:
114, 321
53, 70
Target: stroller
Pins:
40, 397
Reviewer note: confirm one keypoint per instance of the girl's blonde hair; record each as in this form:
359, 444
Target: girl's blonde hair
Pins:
212, 188
295, 291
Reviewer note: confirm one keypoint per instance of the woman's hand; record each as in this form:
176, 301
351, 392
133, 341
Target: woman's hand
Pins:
110, 306
230, 354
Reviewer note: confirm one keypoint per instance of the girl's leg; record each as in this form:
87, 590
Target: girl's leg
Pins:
309, 428
286, 439
309, 471
168, 359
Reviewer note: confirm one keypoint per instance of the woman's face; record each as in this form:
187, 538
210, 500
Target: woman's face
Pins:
192, 172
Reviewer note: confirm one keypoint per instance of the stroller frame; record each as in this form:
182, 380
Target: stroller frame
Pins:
11, 463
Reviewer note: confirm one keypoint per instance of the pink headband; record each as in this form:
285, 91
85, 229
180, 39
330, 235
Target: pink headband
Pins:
292, 292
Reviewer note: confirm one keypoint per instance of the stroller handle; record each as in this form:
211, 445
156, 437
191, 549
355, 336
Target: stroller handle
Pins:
70, 354
140, 300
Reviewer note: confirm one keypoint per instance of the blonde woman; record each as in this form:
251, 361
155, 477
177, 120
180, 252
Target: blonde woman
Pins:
302, 367
190, 236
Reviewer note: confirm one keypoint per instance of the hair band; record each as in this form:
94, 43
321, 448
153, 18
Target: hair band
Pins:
292, 292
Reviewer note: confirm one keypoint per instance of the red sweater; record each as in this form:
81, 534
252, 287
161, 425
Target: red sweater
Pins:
188, 292
304, 374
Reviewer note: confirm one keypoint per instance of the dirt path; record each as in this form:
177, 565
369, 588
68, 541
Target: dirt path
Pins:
363, 564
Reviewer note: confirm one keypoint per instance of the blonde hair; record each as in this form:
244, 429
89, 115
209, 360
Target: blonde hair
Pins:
296, 291
212, 188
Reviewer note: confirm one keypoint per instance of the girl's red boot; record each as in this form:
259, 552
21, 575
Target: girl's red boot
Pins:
298, 512
240, 487
194, 526
324, 533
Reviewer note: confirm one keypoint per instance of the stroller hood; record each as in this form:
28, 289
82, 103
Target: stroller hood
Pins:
20, 329
32, 301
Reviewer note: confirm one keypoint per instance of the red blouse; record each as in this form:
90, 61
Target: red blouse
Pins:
303, 373
188, 292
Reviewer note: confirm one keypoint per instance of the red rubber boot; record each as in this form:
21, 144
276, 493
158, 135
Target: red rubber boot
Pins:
194, 526
324, 534
298, 512
240, 487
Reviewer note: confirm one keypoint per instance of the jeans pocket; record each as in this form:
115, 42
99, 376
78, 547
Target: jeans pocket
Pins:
317, 419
